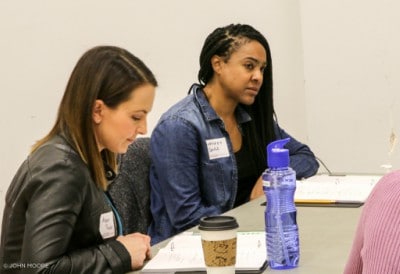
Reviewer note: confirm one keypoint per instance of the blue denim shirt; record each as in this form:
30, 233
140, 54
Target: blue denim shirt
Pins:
193, 172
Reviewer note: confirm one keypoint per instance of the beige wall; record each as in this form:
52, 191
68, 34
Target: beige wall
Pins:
352, 81
42, 40
336, 66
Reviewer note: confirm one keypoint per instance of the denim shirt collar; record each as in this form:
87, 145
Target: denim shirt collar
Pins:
197, 90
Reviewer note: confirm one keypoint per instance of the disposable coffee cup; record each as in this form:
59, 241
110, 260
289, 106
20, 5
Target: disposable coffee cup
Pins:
218, 239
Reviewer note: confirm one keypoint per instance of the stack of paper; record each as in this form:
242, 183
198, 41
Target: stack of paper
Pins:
184, 253
335, 189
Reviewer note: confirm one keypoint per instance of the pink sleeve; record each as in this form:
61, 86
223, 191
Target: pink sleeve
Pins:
376, 246
354, 263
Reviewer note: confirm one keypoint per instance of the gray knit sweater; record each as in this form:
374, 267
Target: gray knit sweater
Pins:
130, 190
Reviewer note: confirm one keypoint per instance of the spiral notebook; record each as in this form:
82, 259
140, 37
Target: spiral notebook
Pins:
184, 254
328, 190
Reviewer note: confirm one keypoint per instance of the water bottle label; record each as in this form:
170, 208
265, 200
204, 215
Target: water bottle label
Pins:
289, 180
266, 183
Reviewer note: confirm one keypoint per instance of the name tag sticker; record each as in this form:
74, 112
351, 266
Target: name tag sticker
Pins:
217, 148
106, 227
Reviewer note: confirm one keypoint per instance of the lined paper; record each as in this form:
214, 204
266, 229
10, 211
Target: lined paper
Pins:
335, 189
184, 253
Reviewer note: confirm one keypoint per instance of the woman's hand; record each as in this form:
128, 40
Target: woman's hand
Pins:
138, 246
257, 190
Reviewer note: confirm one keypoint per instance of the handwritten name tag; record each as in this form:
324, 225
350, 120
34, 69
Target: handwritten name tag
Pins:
106, 227
217, 148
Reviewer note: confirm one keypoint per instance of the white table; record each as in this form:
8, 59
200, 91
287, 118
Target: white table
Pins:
326, 235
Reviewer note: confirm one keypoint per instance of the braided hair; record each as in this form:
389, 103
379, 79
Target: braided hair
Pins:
223, 42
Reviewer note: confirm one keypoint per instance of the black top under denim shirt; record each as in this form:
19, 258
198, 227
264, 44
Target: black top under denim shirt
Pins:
247, 174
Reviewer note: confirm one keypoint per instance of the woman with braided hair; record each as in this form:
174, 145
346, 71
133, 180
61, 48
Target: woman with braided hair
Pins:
208, 150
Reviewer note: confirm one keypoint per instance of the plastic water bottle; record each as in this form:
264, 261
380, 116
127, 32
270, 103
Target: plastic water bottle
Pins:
279, 184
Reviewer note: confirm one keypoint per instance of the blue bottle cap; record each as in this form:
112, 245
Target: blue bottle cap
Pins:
277, 155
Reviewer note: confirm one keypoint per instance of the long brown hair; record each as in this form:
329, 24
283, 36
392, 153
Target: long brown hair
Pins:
107, 73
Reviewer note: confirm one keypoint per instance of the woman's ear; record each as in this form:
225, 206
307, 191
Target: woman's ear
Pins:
216, 63
97, 113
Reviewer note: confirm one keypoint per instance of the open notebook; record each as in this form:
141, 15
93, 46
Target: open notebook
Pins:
184, 253
335, 190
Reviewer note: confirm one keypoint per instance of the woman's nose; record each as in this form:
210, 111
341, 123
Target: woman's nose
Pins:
257, 75
142, 128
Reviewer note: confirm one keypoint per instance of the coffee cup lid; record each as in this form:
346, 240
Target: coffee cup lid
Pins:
217, 223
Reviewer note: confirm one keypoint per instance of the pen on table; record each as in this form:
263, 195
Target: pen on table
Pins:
323, 202
316, 201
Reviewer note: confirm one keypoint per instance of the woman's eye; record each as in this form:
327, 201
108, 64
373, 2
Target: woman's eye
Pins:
249, 66
136, 118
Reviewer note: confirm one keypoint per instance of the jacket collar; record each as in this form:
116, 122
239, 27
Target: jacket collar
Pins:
197, 90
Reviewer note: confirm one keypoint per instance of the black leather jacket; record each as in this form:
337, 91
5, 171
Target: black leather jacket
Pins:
55, 216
